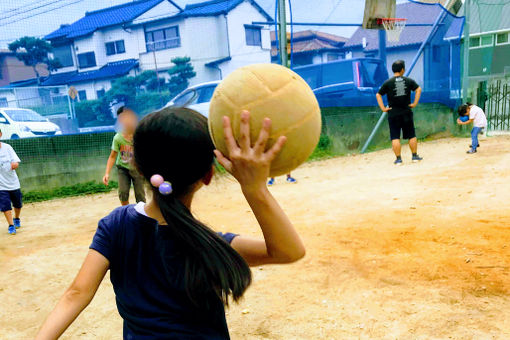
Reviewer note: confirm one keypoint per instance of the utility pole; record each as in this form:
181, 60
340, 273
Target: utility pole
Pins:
282, 33
465, 66
155, 64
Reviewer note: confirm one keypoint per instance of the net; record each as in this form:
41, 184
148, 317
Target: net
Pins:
393, 27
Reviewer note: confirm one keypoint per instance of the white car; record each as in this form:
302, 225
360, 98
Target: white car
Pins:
196, 97
24, 123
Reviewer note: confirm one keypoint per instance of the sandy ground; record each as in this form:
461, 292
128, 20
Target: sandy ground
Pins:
419, 251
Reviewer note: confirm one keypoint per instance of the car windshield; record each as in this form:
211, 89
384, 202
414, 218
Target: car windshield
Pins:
196, 96
25, 116
184, 98
373, 73
205, 93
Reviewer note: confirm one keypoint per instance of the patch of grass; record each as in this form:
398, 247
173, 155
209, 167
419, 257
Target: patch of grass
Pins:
68, 191
323, 150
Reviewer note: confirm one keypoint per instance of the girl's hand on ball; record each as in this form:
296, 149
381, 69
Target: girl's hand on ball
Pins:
249, 165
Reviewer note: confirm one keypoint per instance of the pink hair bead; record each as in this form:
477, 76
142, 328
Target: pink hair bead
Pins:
157, 180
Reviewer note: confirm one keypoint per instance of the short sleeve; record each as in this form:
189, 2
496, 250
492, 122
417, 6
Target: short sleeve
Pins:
102, 241
413, 85
116, 144
228, 237
13, 155
384, 89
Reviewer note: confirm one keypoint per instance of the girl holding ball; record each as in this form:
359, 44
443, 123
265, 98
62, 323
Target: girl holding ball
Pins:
172, 275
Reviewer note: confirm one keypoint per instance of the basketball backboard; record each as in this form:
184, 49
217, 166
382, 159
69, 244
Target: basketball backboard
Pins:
377, 9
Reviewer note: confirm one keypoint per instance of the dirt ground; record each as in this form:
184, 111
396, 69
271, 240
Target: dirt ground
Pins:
420, 251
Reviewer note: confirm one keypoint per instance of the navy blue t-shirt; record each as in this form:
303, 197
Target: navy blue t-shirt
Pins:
148, 287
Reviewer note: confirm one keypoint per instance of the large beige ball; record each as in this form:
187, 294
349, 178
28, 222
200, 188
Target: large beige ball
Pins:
273, 91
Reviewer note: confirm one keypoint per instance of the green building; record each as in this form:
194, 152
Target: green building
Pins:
489, 47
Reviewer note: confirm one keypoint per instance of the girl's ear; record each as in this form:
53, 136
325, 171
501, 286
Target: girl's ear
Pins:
208, 176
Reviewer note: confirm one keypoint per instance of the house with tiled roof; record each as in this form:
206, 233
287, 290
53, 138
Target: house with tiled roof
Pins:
311, 47
146, 34
439, 62
13, 70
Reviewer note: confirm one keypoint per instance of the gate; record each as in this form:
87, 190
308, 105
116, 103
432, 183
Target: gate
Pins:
498, 107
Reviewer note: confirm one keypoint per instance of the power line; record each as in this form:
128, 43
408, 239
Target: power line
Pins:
19, 8
43, 12
32, 9
333, 11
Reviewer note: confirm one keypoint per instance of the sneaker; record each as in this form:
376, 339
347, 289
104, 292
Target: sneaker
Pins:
398, 161
12, 230
17, 223
270, 182
471, 151
417, 158
291, 180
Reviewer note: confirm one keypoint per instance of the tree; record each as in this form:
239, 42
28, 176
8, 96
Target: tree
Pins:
180, 74
126, 88
33, 51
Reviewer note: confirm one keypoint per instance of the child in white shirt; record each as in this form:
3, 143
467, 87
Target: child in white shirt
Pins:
476, 116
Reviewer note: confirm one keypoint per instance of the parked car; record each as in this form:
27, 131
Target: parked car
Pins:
24, 123
350, 82
196, 97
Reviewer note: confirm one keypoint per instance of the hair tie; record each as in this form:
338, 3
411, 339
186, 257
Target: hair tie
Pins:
164, 187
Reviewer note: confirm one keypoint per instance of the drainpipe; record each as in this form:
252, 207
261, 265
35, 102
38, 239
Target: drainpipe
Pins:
465, 68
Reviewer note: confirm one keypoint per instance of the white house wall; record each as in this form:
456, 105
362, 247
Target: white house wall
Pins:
242, 54
163, 57
92, 43
163, 10
130, 43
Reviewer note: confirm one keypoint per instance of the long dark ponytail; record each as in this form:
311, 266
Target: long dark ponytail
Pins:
175, 143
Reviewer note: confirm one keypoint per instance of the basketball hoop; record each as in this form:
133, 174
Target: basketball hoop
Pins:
393, 27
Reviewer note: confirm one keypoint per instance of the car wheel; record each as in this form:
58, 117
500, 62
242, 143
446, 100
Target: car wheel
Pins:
14, 137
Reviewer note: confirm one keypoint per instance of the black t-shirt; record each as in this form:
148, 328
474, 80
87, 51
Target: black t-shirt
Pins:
398, 90
152, 304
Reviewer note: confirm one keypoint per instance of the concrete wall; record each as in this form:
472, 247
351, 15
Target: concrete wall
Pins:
48, 163
349, 127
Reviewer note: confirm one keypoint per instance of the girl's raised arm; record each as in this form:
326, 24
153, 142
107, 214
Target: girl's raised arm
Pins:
250, 166
76, 297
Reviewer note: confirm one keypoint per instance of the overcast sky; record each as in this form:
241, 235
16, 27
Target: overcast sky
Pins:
39, 17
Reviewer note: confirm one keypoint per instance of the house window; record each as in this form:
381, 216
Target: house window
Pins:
436, 54
481, 41
333, 56
486, 40
100, 93
82, 95
115, 47
253, 35
3, 102
87, 59
502, 38
64, 55
474, 42
163, 39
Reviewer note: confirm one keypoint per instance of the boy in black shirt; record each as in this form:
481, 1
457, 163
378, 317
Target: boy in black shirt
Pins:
400, 116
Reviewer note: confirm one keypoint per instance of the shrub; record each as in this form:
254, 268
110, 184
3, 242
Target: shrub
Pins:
89, 111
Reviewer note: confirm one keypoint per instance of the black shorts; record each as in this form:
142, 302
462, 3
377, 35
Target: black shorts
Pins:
404, 123
10, 196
